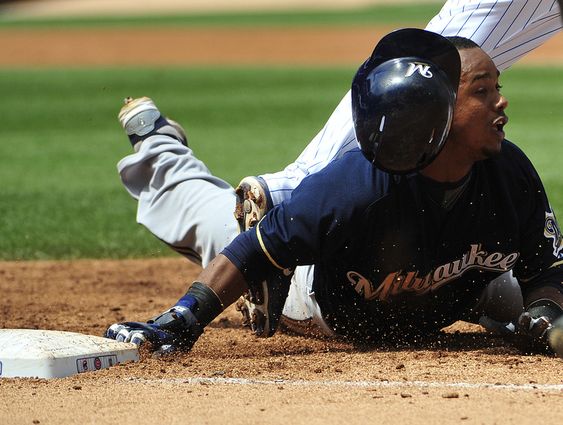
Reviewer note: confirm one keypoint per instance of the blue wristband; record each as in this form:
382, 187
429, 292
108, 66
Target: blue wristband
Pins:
202, 302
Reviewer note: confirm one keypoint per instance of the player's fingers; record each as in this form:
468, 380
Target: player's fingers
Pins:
124, 335
535, 327
137, 338
113, 330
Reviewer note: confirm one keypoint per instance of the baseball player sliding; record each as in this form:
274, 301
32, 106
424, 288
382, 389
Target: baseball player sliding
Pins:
383, 252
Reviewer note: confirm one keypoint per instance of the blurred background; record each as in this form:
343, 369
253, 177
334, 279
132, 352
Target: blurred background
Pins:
109, 7
252, 81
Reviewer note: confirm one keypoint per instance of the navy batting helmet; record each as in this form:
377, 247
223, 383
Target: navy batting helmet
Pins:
403, 99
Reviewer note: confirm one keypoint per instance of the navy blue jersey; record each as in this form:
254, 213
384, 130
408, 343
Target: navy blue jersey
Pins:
390, 253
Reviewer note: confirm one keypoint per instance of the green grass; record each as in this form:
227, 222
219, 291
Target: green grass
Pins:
535, 108
61, 197
383, 14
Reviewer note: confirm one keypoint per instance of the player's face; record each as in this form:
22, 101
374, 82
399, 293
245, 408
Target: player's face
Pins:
479, 116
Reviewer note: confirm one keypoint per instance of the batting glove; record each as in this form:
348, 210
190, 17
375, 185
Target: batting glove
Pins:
178, 328
174, 330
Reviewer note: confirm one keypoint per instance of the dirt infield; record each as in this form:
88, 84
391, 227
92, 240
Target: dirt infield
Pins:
230, 376
187, 47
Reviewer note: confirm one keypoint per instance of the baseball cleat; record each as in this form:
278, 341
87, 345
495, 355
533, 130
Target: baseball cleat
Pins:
140, 118
261, 307
253, 202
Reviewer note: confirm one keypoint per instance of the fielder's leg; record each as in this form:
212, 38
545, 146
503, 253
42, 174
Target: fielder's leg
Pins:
335, 139
505, 29
256, 195
179, 200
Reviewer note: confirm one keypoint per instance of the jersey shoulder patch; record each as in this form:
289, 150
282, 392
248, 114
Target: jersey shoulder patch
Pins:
552, 231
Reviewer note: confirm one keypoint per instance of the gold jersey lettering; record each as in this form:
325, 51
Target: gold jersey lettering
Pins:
399, 282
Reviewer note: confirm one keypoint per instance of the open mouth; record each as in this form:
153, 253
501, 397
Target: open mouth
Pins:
499, 124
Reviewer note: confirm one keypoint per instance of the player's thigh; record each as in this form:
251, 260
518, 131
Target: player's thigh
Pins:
501, 299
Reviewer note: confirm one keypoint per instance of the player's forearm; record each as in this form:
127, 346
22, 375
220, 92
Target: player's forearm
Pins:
223, 278
217, 286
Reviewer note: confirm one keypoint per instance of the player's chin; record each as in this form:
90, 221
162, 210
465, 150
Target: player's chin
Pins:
492, 149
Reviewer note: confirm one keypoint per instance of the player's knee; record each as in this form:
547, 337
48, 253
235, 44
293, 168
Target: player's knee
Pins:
502, 299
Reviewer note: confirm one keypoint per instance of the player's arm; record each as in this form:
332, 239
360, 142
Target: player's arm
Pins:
543, 290
543, 311
179, 327
540, 267
251, 257
220, 284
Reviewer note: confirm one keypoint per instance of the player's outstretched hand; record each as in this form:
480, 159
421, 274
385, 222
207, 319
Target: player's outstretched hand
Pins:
528, 332
533, 327
174, 330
